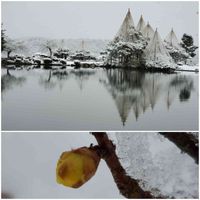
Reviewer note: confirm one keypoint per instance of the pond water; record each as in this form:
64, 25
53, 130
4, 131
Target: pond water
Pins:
98, 99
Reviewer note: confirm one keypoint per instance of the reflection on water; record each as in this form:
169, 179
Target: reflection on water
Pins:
138, 91
47, 82
98, 99
81, 76
9, 81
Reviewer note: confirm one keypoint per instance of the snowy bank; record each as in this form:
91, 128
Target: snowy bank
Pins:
188, 68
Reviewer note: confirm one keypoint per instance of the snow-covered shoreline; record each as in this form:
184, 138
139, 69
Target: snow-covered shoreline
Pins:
188, 68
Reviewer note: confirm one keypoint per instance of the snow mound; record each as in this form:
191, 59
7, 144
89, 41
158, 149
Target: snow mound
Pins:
195, 60
127, 31
188, 68
141, 25
172, 40
148, 31
156, 54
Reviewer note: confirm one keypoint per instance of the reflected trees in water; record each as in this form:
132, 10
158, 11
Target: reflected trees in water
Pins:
184, 85
62, 77
82, 76
132, 92
139, 91
179, 85
47, 82
123, 86
59, 77
8, 81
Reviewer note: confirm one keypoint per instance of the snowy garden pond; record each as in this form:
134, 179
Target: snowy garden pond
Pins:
98, 99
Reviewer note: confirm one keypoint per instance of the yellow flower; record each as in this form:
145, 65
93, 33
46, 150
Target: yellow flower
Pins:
76, 167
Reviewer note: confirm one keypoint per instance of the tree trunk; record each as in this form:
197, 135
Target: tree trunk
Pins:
8, 73
8, 54
50, 51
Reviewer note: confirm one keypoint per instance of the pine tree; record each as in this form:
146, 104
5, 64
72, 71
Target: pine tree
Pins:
188, 44
3, 38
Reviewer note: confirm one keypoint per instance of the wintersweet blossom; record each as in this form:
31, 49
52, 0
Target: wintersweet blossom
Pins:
76, 167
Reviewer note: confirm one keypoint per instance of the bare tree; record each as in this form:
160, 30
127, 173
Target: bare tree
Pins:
50, 45
13, 46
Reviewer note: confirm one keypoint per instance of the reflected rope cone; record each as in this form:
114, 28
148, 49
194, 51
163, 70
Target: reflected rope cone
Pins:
76, 167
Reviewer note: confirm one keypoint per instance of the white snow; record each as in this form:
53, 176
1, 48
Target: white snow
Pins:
156, 55
148, 31
195, 59
172, 40
126, 28
188, 68
159, 164
70, 62
141, 25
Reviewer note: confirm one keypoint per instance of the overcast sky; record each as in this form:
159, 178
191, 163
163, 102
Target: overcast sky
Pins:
95, 19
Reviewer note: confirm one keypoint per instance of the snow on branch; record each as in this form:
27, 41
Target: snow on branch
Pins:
127, 186
187, 143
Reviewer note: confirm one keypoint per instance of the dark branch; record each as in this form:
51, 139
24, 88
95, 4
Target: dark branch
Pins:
127, 186
187, 143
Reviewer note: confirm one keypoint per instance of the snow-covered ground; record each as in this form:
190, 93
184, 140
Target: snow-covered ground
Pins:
188, 68
89, 62
35, 44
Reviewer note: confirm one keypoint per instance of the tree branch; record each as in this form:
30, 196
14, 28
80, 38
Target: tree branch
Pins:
185, 142
127, 186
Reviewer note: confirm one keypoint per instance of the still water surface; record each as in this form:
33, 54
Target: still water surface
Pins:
98, 99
